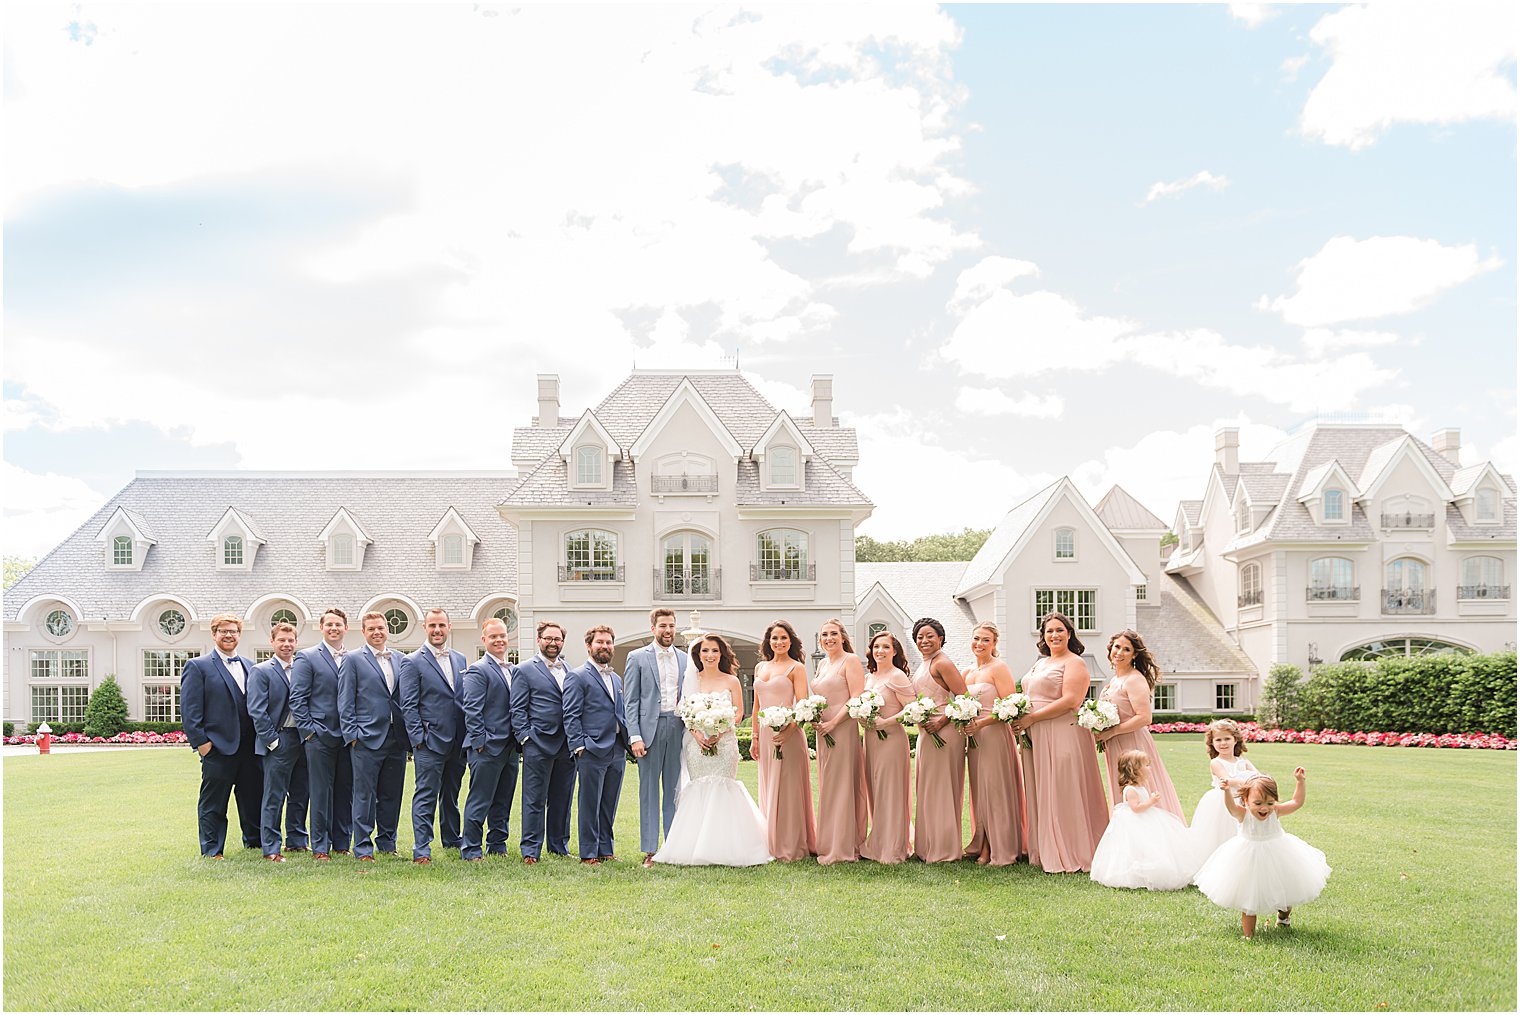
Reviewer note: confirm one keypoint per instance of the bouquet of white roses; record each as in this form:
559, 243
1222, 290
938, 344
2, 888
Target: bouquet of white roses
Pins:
775, 719
1013, 708
962, 710
1097, 716
864, 707
810, 710
711, 714
916, 711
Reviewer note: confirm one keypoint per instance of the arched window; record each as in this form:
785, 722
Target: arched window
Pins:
1486, 505
588, 466
453, 548
232, 551
783, 466
871, 632
1483, 578
1373, 650
687, 570
1250, 585
1066, 544
121, 551
1406, 573
1404, 590
284, 616
1335, 506
59, 623
590, 555
397, 621
507, 615
1332, 578
1407, 511
782, 555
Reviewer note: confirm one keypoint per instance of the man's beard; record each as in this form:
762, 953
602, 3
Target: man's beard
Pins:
666, 640
550, 652
601, 658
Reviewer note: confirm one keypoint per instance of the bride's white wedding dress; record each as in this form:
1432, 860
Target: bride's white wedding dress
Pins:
717, 822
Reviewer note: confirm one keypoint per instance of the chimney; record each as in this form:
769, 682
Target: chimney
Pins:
1448, 444
1227, 449
823, 400
548, 400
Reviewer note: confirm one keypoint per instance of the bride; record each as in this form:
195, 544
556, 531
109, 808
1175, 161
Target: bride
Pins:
716, 821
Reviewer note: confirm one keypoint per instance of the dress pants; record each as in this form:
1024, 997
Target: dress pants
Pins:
280, 767
379, 776
659, 774
493, 783
330, 771
601, 782
298, 799
223, 776
548, 784
435, 789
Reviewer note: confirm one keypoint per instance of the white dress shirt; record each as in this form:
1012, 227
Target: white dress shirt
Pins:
290, 718
236, 669
506, 669
670, 677
557, 669
606, 672
446, 664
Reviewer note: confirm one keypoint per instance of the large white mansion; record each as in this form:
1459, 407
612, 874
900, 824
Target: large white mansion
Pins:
690, 490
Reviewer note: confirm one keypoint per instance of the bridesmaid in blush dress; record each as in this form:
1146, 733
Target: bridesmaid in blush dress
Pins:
786, 790
841, 768
1063, 791
941, 769
997, 780
888, 767
1134, 683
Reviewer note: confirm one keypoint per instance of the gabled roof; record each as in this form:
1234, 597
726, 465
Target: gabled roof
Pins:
926, 589
588, 421
1192, 511
134, 521
1314, 480
1120, 512
782, 424
549, 485
879, 593
1188, 638
454, 518
1459, 530
1263, 489
822, 484
341, 517
1464, 481
685, 394
241, 521
1380, 464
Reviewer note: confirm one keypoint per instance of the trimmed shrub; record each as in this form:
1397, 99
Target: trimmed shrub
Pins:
1438, 694
1279, 697
105, 715
10, 729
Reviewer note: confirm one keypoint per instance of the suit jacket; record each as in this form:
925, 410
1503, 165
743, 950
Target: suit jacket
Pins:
314, 695
268, 702
593, 719
642, 691
487, 699
434, 718
211, 706
538, 707
366, 708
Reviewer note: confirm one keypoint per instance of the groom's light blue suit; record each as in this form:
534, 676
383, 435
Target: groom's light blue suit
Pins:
660, 767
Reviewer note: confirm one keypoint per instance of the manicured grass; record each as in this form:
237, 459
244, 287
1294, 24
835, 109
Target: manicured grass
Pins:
107, 906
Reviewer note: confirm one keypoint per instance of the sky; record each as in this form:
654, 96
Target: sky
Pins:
1026, 240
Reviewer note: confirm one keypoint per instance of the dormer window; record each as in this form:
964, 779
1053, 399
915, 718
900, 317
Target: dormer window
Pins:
588, 466
124, 540
783, 466
1486, 505
1242, 517
1335, 505
235, 542
345, 541
121, 551
1066, 544
341, 550
453, 542
232, 551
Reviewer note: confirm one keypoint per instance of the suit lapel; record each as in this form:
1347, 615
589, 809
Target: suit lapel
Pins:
326, 654
237, 692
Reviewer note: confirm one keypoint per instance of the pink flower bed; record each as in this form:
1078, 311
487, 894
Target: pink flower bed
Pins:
120, 738
1254, 734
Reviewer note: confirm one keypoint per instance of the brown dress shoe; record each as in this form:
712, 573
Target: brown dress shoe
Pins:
321, 856
275, 858
530, 859
366, 859
648, 860
423, 859
591, 861
341, 852
218, 856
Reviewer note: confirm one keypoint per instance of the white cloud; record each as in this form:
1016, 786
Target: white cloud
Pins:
1252, 14
994, 402
39, 509
1202, 178
1505, 454
1320, 342
1410, 63
1008, 335
1349, 279
1292, 65
987, 276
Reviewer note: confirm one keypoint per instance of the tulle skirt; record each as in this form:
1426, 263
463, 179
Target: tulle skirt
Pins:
1263, 875
1212, 825
1150, 849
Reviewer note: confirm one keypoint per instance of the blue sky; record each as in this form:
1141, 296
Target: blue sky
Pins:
1026, 240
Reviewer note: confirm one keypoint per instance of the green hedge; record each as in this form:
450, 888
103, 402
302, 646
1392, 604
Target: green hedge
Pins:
1423, 694
60, 728
10, 729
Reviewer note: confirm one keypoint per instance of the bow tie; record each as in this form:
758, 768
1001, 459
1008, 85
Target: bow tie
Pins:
339, 652
440, 656
230, 660
386, 655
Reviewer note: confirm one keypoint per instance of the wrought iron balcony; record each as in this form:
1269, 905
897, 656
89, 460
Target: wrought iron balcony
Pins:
1406, 520
1249, 598
683, 484
676, 584
591, 574
1406, 601
783, 572
1333, 593
1482, 591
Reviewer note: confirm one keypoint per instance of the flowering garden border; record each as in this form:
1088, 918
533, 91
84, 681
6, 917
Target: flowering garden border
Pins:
1254, 734
75, 739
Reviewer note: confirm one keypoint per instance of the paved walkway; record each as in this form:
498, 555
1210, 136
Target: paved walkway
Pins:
22, 750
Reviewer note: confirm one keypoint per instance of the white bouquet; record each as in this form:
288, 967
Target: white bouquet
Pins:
916, 711
1097, 716
962, 711
711, 714
775, 719
1013, 708
865, 707
810, 710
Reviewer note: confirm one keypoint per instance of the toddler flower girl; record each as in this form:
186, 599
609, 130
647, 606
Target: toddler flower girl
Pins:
1144, 845
1212, 824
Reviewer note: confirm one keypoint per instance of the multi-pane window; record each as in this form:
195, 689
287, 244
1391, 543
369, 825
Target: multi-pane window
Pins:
508, 616
52, 700
1242, 517
1164, 698
1406, 573
783, 466
1142, 593
588, 466
1066, 544
343, 550
232, 551
1487, 505
782, 555
59, 665
1335, 506
687, 567
60, 704
1483, 578
1224, 697
591, 555
161, 703
161, 673
171, 623
59, 623
121, 551
263, 655
1081, 605
397, 621
453, 548
874, 630
1250, 585
1331, 578
283, 616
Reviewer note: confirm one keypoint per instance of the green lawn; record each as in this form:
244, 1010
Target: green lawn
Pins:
107, 906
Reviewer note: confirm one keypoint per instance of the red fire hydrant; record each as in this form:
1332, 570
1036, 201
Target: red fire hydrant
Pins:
44, 739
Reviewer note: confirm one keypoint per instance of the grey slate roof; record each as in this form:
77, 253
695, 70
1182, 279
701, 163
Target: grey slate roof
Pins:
1192, 510
548, 484
398, 512
822, 484
1185, 637
1265, 488
1007, 534
1119, 510
926, 589
1459, 531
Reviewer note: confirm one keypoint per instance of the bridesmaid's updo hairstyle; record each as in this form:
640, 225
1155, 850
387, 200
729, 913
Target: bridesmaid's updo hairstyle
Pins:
991, 629
844, 635
727, 662
1224, 726
919, 625
899, 657
794, 651
1132, 766
1073, 643
1144, 661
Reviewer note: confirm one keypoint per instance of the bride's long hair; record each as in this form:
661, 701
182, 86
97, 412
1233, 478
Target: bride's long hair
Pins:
728, 663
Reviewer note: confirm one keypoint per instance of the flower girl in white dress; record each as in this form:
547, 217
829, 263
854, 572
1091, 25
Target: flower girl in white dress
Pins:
1212, 825
1264, 868
1144, 845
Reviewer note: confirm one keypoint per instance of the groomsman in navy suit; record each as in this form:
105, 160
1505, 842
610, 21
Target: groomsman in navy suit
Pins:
598, 737
432, 685
213, 701
314, 703
493, 751
538, 723
278, 742
369, 708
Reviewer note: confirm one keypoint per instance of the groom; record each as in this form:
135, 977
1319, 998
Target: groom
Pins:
653, 683
598, 737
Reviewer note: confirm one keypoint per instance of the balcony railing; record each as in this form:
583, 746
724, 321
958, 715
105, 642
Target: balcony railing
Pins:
591, 574
783, 573
683, 484
1482, 591
1249, 598
1406, 601
1406, 520
673, 584
1333, 593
